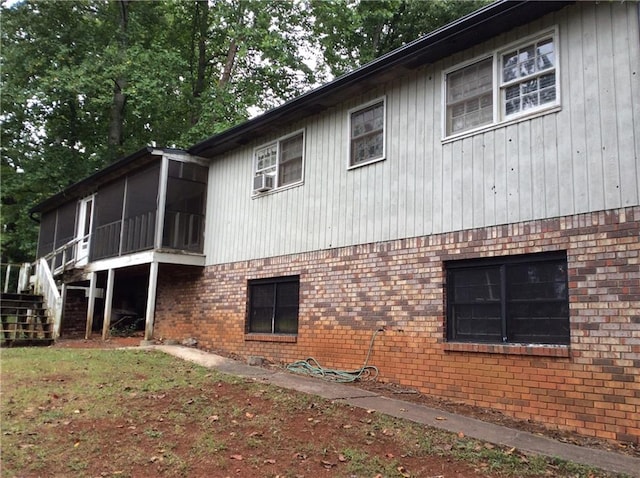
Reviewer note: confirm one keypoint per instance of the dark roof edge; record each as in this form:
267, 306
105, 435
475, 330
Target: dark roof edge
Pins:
385, 61
74, 189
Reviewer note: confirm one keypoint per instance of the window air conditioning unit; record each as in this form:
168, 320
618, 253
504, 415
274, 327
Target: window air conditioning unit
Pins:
262, 183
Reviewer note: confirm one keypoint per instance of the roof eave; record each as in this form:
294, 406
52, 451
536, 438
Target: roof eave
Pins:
90, 183
471, 29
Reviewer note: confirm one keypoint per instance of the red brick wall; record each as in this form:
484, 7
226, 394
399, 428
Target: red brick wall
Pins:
592, 386
74, 315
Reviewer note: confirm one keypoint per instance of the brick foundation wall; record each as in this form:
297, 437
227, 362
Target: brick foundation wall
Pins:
346, 294
74, 315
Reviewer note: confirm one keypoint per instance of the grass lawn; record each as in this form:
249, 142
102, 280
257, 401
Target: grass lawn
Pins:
134, 413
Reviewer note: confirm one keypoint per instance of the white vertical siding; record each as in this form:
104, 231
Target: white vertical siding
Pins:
581, 157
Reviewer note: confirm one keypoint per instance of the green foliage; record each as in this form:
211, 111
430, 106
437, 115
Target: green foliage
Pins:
354, 32
186, 69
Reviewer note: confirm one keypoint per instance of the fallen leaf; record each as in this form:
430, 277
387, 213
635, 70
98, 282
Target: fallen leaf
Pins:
213, 418
389, 455
249, 415
270, 461
460, 435
510, 452
342, 458
327, 464
440, 418
371, 411
489, 446
403, 471
237, 457
346, 426
76, 444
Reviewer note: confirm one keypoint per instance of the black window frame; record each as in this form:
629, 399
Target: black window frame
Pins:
274, 317
507, 297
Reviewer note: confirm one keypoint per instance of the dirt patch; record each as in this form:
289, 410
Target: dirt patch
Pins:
403, 393
183, 420
96, 342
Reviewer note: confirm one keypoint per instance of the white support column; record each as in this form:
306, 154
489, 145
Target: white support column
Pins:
151, 301
57, 322
162, 201
108, 299
92, 303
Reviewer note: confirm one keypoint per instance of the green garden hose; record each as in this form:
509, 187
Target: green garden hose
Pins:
312, 367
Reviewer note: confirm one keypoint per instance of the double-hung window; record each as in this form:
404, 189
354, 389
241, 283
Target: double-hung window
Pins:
510, 83
279, 163
366, 133
516, 299
273, 305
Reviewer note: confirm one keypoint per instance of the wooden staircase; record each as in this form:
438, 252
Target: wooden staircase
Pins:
24, 321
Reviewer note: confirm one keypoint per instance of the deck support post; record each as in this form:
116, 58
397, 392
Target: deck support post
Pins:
108, 299
151, 301
92, 303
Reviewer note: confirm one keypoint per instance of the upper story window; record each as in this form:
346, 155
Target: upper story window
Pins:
366, 133
279, 163
513, 82
528, 77
470, 97
516, 299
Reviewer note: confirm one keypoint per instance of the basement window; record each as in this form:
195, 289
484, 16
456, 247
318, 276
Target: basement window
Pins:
273, 305
517, 299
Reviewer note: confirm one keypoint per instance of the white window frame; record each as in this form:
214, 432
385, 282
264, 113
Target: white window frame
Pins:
383, 100
277, 142
499, 117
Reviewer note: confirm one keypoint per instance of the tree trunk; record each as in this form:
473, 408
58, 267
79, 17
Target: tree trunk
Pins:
228, 66
200, 32
116, 124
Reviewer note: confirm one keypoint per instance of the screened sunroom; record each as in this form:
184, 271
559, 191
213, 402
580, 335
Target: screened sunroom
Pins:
107, 235
156, 203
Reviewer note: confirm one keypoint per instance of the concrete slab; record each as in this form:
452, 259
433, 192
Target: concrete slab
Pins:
471, 427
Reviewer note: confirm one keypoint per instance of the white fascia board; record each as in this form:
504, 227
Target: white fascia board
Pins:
146, 257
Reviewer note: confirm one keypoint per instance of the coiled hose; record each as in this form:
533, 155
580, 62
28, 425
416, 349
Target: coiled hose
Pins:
312, 367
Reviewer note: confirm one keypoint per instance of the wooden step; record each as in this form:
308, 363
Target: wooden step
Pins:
24, 321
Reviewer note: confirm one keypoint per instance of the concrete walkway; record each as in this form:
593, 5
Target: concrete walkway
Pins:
471, 427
